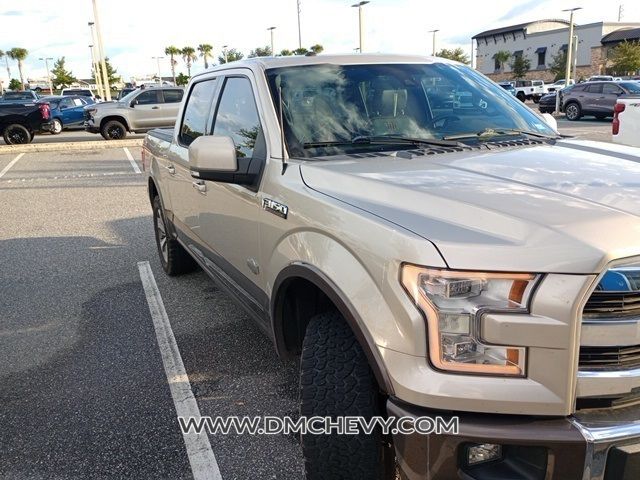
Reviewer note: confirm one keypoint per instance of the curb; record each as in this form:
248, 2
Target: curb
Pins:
67, 146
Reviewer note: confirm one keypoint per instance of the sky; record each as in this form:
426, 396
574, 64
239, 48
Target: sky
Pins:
136, 30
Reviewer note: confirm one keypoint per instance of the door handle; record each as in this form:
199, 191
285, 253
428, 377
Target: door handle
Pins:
155, 108
200, 186
172, 169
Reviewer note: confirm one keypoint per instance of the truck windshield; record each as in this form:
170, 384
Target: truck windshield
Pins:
326, 106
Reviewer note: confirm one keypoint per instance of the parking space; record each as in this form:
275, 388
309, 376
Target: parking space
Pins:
84, 391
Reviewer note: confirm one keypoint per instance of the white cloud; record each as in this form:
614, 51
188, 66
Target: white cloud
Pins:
134, 31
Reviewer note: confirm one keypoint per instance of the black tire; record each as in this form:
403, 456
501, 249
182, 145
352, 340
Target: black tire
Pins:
520, 96
536, 99
56, 126
16, 134
336, 380
573, 111
174, 259
600, 117
113, 130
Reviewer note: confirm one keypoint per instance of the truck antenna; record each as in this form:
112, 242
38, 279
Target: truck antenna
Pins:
282, 139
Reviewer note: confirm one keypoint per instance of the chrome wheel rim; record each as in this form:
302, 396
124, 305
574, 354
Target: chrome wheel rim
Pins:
57, 126
162, 236
17, 136
572, 111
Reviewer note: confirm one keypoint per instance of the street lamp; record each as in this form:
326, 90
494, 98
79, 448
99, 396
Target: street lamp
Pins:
46, 64
359, 6
103, 64
567, 74
271, 29
299, 29
157, 59
224, 52
433, 47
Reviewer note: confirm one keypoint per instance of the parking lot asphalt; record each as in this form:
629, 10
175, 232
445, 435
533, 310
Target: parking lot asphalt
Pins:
84, 391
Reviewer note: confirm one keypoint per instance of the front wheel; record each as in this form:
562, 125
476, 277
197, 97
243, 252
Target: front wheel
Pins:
16, 134
336, 380
520, 96
572, 111
56, 126
113, 130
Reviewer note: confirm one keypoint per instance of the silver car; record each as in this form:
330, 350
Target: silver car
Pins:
140, 111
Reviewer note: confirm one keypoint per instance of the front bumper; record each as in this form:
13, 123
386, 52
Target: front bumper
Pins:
591, 445
46, 127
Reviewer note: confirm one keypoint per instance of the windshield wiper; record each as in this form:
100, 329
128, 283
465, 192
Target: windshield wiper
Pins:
490, 133
385, 140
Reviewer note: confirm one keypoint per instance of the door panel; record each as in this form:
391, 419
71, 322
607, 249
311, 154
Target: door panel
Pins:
145, 110
229, 213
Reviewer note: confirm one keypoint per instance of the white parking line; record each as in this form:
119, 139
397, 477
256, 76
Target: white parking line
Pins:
131, 160
11, 164
203, 462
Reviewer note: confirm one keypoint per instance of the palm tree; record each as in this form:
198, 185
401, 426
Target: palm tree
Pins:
189, 56
172, 52
19, 54
205, 52
501, 58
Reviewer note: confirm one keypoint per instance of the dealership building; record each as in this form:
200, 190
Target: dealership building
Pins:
541, 40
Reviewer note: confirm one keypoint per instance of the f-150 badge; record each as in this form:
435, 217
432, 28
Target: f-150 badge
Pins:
274, 207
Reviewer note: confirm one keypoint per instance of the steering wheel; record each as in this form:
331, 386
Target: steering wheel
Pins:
444, 121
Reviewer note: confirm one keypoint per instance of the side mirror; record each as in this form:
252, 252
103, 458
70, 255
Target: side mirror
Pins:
213, 158
551, 121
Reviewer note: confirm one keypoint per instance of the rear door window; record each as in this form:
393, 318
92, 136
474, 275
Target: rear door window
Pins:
611, 89
196, 111
172, 96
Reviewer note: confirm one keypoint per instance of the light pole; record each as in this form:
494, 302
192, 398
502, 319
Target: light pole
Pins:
96, 71
273, 52
575, 56
224, 53
570, 46
46, 64
95, 52
359, 6
157, 59
433, 47
103, 64
299, 29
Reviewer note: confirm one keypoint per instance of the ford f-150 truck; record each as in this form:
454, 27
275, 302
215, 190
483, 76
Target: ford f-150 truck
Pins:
440, 261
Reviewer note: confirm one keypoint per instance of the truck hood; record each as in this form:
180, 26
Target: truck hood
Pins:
571, 207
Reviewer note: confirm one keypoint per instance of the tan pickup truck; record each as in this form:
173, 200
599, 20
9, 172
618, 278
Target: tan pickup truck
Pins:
430, 247
140, 111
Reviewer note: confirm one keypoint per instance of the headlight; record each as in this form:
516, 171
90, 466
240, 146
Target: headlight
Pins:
454, 302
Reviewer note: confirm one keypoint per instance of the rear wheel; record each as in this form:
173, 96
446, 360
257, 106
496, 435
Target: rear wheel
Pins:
174, 259
56, 126
572, 111
520, 96
16, 134
113, 130
336, 380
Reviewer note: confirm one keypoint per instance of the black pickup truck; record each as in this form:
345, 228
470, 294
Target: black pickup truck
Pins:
19, 122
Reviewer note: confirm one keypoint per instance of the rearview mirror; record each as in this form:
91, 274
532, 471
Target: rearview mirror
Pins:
551, 121
213, 158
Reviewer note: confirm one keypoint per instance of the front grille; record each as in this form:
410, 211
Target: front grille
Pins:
612, 305
610, 358
616, 299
